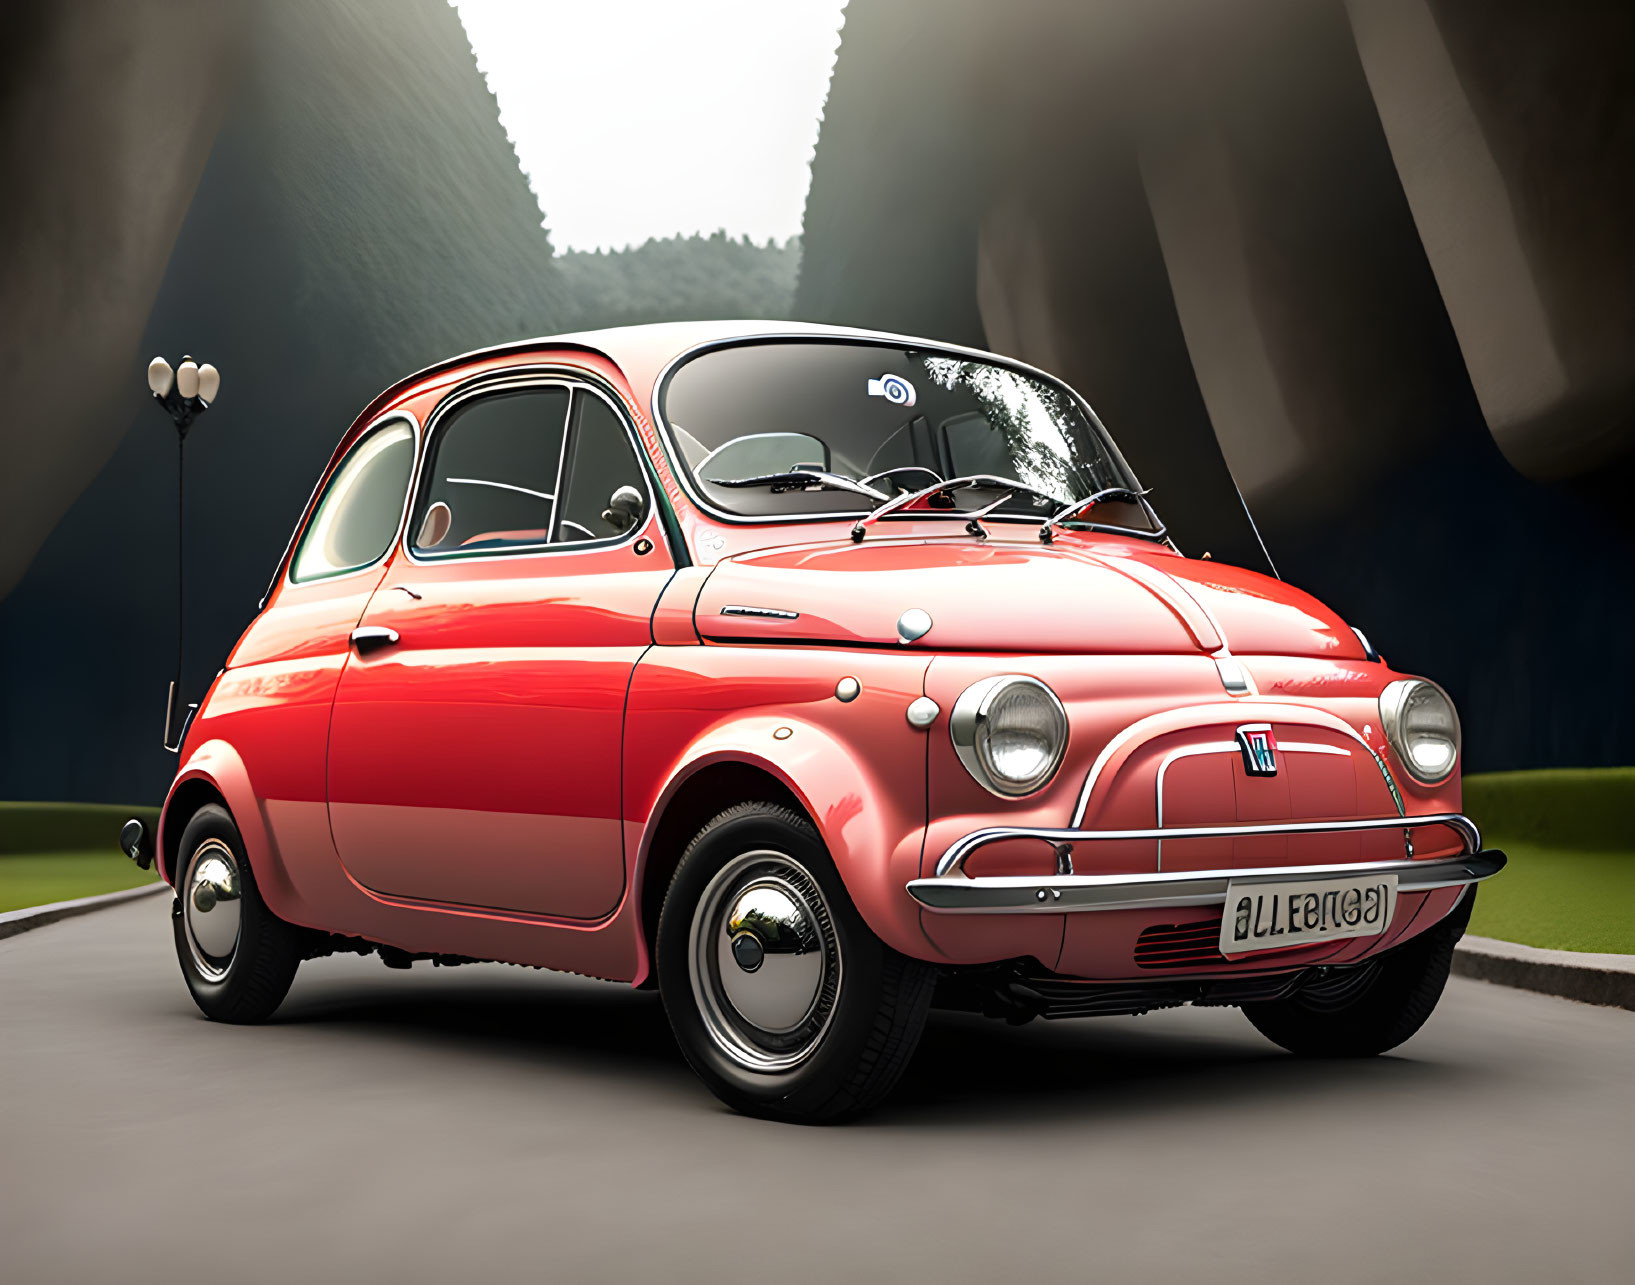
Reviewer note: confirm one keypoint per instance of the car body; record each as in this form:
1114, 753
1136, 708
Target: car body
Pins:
496, 736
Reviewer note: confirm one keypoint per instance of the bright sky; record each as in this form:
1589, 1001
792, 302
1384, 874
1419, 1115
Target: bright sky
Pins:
652, 118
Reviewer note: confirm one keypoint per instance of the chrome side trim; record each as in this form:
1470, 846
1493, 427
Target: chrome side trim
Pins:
1059, 894
773, 613
953, 860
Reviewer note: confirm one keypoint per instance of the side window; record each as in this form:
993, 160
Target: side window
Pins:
357, 517
491, 474
604, 494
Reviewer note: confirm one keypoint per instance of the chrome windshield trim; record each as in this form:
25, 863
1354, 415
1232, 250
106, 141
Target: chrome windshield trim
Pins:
952, 862
1060, 894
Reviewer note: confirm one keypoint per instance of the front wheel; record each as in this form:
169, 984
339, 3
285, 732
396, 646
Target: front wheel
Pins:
782, 1000
238, 957
1377, 1007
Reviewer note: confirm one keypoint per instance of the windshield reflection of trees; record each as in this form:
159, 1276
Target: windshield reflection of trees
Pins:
1049, 447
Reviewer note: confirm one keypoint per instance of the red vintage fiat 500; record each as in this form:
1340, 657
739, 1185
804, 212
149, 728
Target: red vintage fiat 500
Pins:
812, 676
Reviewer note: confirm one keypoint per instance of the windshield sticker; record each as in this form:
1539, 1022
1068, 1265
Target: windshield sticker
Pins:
894, 388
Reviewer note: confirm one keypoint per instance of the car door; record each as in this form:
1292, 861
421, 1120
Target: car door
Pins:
272, 702
475, 743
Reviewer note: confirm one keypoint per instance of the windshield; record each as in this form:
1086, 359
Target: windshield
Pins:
899, 419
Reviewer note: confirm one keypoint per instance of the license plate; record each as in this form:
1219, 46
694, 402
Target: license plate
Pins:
1268, 916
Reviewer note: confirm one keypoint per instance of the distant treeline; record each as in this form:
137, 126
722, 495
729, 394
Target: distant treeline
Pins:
679, 279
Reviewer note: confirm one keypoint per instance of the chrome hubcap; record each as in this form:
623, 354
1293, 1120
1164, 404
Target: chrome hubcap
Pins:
210, 908
764, 961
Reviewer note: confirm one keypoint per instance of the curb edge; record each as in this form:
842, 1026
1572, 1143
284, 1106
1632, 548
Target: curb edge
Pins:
1547, 972
13, 922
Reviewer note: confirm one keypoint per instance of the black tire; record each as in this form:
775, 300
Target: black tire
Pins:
855, 1040
249, 983
1372, 1009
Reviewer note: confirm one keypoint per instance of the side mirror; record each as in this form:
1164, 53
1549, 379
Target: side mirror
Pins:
624, 508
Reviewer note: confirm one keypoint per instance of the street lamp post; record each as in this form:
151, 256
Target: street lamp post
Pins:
184, 394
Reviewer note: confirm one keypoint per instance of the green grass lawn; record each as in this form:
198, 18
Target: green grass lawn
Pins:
1570, 837
60, 851
38, 878
1560, 898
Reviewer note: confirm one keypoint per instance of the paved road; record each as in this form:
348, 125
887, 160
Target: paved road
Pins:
503, 1124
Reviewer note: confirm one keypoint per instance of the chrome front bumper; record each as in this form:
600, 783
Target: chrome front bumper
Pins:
951, 891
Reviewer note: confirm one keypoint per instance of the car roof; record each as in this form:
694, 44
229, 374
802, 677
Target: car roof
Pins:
672, 338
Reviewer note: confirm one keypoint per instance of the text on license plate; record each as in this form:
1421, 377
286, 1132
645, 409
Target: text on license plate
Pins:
1267, 916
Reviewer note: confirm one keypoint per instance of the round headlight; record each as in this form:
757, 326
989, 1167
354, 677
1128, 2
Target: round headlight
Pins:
1423, 729
1010, 732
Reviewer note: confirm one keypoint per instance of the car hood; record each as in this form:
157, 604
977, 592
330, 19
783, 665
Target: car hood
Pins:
1079, 595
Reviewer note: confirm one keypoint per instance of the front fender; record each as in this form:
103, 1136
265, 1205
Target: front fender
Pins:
857, 768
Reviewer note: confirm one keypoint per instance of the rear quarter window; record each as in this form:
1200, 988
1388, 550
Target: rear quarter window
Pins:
357, 518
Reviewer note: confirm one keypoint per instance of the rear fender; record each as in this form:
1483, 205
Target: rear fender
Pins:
216, 766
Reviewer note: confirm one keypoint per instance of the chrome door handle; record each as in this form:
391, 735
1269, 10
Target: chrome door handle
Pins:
371, 637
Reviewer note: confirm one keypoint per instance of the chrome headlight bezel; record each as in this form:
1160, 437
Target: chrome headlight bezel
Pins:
1394, 705
968, 724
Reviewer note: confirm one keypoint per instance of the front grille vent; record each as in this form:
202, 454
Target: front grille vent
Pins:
1180, 945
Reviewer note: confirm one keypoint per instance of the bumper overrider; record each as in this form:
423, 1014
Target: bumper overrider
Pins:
951, 891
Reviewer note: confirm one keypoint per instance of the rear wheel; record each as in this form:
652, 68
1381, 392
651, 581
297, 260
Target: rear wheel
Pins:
782, 1000
237, 957
1376, 1007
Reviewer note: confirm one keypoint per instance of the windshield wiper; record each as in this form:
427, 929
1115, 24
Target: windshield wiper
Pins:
891, 474
1009, 485
800, 479
1047, 532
